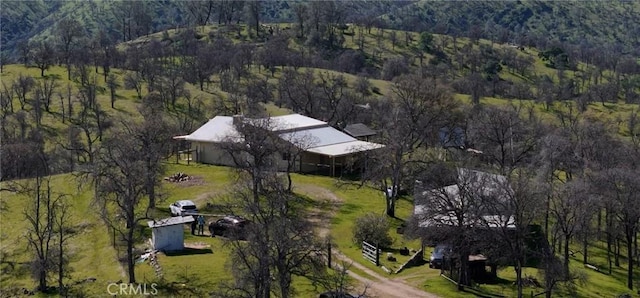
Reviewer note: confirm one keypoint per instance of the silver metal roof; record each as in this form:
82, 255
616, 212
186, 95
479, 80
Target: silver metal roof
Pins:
170, 221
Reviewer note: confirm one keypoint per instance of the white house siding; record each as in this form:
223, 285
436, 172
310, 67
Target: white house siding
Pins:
210, 153
168, 238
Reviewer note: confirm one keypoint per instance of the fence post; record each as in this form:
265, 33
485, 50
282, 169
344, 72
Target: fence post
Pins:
377, 255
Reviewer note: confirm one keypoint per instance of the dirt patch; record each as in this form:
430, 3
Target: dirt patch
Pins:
380, 286
195, 180
374, 284
320, 218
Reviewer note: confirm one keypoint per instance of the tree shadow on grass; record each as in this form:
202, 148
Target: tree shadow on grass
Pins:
189, 251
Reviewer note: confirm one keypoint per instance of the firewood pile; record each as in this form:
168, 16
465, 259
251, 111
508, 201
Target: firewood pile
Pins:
178, 177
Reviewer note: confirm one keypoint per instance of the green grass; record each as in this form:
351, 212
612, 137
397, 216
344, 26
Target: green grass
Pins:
198, 271
91, 251
93, 245
199, 274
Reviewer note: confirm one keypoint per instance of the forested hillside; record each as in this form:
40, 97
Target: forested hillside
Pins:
99, 88
585, 23
24, 21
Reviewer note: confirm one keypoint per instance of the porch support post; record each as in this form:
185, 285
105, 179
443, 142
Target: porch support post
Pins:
333, 166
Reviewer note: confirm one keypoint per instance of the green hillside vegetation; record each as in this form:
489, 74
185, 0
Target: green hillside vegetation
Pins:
585, 23
341, 73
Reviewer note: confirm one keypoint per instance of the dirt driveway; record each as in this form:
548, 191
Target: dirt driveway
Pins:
375, 284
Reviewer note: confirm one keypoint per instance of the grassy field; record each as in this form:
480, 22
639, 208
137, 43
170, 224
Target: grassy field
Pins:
198, 271
92, 255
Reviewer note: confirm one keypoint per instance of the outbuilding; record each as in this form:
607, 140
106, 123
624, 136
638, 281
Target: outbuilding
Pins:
168, 233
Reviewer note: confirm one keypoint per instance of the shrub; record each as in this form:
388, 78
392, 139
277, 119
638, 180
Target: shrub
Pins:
372, 228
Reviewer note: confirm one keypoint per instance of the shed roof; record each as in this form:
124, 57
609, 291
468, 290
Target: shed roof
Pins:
317, 137
170, 221
346, 148
297, 129
216, 130
295, 122
359, 130
479, 183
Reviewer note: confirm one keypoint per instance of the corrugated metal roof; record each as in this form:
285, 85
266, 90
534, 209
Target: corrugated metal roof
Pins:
317, 137
346, 148
359, 130
299, 130
295, 122
170, 221
217, 130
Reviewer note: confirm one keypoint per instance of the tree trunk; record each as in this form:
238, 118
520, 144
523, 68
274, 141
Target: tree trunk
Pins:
567, 237
42, 278
68, 69
61, 262
151, 191
519, 277
130, 261
599, 224
616, 255
635, 242
629, 235
609, 250
151, 184
391, 206
585, 248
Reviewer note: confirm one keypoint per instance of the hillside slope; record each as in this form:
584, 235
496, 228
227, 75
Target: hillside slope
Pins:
23, 21
590, 23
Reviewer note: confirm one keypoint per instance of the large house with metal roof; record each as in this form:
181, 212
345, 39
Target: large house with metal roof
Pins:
325, 149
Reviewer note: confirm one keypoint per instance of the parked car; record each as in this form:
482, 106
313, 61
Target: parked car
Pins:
183, 208
231, 226
439, 253
336, 294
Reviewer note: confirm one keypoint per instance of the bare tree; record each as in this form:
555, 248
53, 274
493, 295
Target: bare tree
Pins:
68, 30
46, 87
622, 186
42, 54
516, 211
40, 231
21, 87
292, 150
42, 213
112, 84
451, 213
301, 15
570, 203
408, 121
153, 136
280, 244
253, 10
254, 150
121, 185
134, 81
200, 11
63, 235
6, 104
506, 140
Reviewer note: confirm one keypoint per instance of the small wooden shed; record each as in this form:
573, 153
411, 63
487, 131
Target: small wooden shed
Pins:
168, 233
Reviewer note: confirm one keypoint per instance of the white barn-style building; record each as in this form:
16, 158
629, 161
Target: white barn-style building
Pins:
325, 148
